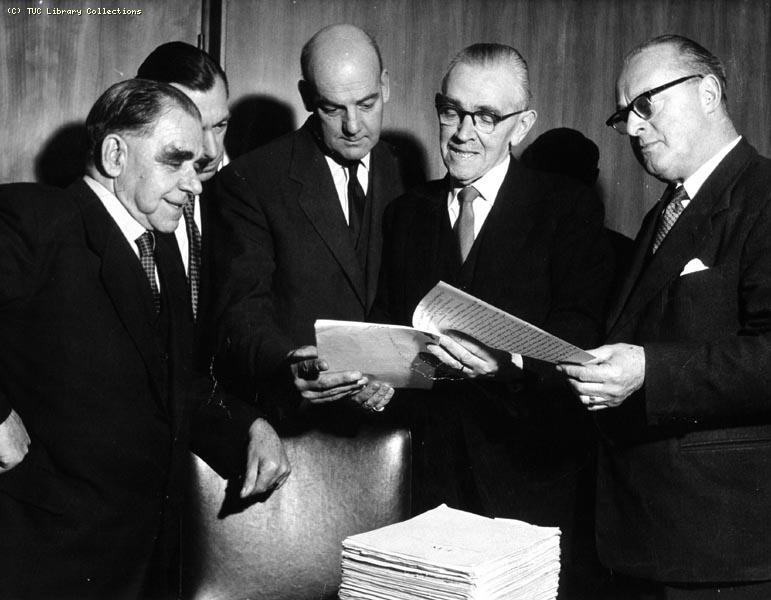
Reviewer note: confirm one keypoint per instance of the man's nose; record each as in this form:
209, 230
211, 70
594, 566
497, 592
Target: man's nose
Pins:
351, 122
466, 128
190, 182
209, 144
635, 124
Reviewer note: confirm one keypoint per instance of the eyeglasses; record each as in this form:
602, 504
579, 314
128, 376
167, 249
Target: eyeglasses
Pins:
642, 105
484, 121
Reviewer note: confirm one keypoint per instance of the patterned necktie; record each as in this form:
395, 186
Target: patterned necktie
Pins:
356, 199
669, 216
464, 226
146, 245
193, 253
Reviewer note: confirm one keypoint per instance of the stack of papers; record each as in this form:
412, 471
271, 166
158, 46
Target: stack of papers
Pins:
446, 554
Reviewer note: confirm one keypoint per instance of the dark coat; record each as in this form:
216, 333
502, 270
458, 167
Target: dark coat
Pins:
541, 255
285, 256
685, 470
102, 385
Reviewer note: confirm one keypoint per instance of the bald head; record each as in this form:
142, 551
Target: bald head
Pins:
345, 86
338, 41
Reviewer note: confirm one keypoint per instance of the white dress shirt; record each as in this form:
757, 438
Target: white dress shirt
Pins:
128, 226
693, 184
340, 177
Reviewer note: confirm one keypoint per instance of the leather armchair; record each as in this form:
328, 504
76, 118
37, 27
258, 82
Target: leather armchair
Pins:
287, 546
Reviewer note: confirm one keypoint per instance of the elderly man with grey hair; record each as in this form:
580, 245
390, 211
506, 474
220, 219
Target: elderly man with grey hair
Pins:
95, 365
505, 438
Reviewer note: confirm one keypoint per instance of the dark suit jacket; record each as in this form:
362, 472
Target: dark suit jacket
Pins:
103, 391
285, 256
685, 473
541, 255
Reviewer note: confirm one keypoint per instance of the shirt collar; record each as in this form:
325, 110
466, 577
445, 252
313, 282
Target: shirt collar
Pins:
490, 183
130, 228
335, 166
693, 183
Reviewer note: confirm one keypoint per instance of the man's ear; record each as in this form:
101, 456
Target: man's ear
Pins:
308, 94
710, 93
524, 125
114, 155
385, 85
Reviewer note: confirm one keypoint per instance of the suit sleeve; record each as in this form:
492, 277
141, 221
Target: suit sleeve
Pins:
249, 341
726, 378
581, 274
22, 254
220, 428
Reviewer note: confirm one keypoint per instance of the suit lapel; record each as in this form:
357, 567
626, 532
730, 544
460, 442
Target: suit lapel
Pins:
124, 280
317, 198
507, 225
689, 234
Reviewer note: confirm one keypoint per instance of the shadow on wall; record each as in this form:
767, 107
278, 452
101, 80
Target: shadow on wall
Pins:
62, 159
256, 120
412, 156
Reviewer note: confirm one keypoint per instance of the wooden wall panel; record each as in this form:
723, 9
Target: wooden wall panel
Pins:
573, 47
55, 66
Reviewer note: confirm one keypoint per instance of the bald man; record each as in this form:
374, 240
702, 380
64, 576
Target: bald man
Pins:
298, 228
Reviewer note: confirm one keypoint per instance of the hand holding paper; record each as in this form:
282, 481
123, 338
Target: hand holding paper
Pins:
473, 359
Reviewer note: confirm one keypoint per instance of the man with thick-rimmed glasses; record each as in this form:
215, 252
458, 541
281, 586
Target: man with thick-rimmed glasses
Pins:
683, 388
506, 439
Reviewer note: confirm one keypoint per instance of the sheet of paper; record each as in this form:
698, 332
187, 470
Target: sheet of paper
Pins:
446, 307
390, 353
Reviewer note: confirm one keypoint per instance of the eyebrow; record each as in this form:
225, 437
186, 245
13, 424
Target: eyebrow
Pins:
372, 96
172, 154
477, 108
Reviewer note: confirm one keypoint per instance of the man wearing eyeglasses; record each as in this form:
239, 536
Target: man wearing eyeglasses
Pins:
683, 388
507, 440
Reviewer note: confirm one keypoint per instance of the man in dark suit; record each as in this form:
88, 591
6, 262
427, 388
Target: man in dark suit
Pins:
96, 363
299, 225
509, 441
683, 386
202, 80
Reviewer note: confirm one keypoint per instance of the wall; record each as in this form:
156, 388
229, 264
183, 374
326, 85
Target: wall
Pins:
574, 49
55, 66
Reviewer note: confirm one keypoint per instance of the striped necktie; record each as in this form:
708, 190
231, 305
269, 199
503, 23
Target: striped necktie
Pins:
670, 214
193, 253
464, 226
146, 245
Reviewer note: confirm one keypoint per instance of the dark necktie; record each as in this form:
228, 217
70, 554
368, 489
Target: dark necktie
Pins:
146, 245
671, 213
193, 253
464, 226
356, 199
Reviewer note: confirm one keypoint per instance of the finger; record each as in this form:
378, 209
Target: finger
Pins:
382, 398
303, 352
250, 478
446, 358
267, 477
309, 369
332, 395
467, 345
597, 407
330, 381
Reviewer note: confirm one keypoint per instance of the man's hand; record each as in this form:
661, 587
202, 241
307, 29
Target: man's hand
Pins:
474, 360
14, 442
315, 384
616, 373
267, 467
374, 396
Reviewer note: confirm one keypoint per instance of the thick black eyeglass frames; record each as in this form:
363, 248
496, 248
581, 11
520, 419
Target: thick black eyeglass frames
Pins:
642, 105
452, 115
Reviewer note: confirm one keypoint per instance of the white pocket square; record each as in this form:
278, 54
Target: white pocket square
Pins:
694, 266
